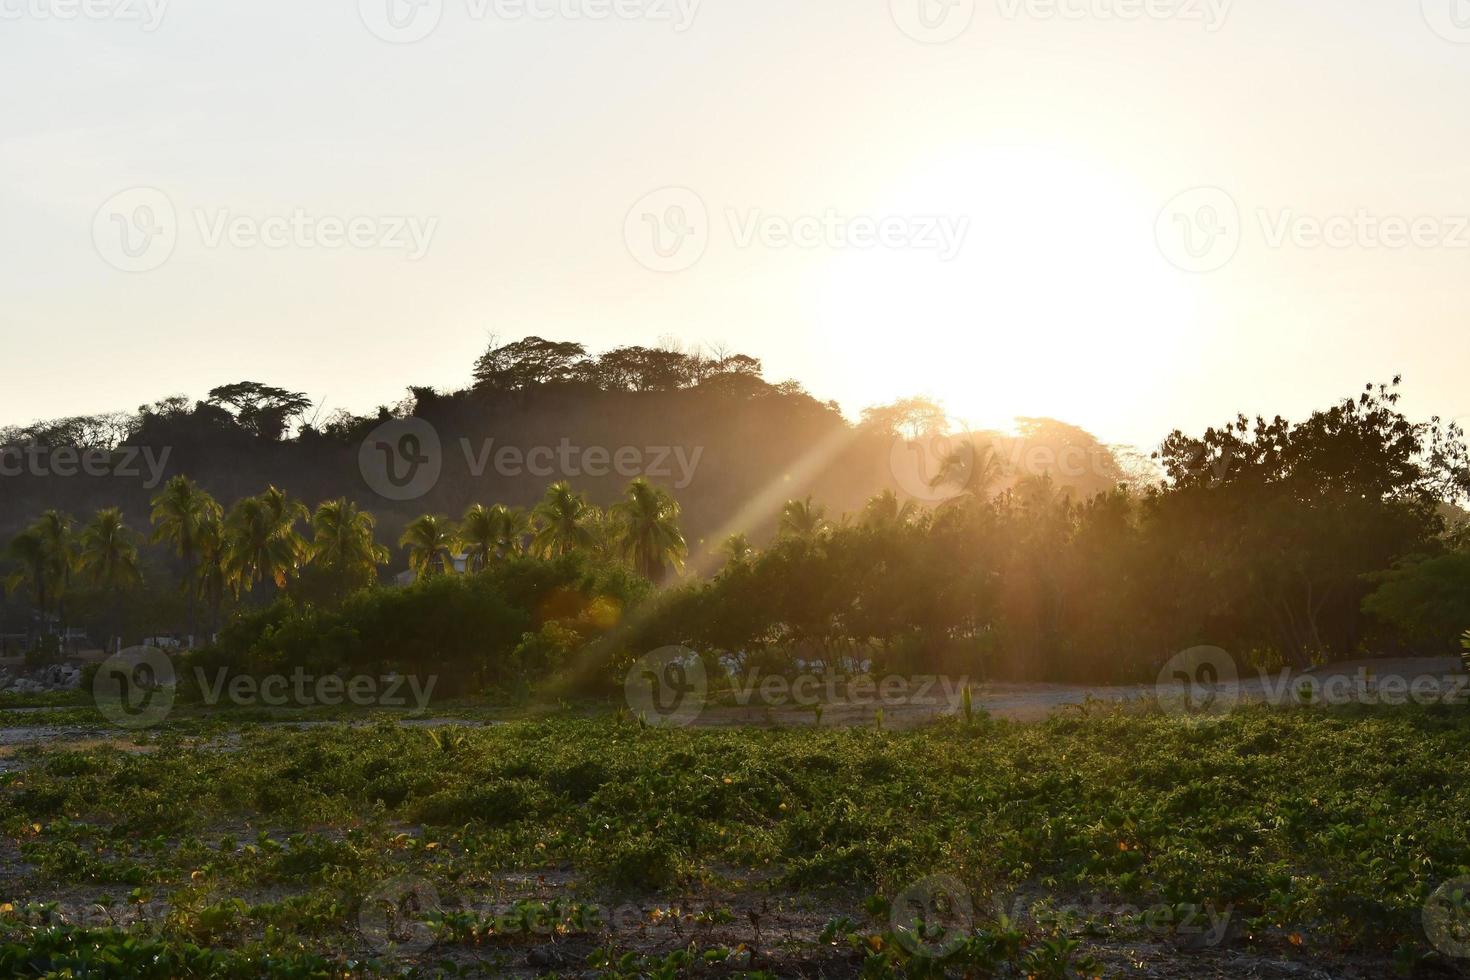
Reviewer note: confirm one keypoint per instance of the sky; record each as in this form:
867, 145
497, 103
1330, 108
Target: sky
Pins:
1133, 215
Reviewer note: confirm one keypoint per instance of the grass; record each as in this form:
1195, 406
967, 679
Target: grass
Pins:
1323, 828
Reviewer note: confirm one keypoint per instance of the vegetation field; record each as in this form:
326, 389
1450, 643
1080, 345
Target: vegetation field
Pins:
1098, 843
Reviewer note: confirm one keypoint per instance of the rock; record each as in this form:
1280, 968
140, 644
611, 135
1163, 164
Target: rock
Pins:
54, 677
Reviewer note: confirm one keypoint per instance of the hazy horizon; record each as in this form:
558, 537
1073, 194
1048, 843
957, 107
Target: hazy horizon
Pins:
994, 217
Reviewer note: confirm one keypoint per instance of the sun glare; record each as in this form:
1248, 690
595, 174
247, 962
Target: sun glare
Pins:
1055, 297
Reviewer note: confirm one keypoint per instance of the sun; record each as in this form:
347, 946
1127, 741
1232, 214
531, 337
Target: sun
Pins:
1058, 303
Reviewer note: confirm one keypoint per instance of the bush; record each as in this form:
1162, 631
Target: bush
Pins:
1425, 599
497, 630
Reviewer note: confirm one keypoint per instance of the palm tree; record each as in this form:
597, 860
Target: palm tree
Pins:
491, 533
602, 533
211, 580
260, 541
479, 533
179, 511
45, 555
562, 521
647, 530
1040, 494
55, 531
109, 558
431, 544
343, 544
972, 471
737, 549
28, 550
287, 513
885, 510
515, 527
803, 519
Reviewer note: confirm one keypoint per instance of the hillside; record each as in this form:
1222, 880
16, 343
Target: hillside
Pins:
731, 447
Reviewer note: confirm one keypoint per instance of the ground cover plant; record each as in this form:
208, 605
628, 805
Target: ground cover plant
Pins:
604, 847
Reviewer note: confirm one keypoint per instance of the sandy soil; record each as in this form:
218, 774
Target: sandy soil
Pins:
1360, 679
1033, 702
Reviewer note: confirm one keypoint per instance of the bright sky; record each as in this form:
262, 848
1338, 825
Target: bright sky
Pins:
995, 214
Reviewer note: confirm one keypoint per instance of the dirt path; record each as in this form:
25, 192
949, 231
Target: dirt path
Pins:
1372, 680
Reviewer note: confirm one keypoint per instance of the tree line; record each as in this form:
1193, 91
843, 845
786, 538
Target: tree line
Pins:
257, 549
1286, 542
268, 413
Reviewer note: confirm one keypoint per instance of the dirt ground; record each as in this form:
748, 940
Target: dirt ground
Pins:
1034, 702
779, 932
926, 702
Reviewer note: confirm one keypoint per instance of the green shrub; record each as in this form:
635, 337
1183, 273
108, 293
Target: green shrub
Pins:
497, 630
1427, 600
